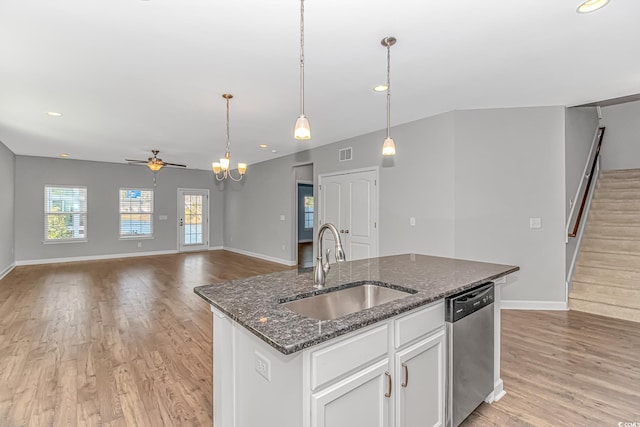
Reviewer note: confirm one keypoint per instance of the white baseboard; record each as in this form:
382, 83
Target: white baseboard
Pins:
261, 256
534, 305
7, 270
92, 257
305, 241
216, 248
497, 393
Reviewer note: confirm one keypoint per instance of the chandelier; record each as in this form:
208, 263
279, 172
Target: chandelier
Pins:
221, 168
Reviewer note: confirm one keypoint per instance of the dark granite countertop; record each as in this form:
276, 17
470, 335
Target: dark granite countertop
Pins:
254, 302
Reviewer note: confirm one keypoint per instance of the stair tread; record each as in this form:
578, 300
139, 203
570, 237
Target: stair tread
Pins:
605, 309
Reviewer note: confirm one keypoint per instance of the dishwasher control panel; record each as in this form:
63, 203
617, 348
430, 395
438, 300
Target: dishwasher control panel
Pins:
467, 302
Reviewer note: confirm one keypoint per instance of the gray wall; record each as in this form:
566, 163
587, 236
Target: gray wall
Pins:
7, 231
472, 180
417, 182
509, 167
103, 180
580, 127
621, 144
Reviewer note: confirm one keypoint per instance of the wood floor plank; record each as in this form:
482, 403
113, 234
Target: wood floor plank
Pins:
127, 343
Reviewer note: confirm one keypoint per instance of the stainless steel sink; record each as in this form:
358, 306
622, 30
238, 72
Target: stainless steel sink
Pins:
334, 304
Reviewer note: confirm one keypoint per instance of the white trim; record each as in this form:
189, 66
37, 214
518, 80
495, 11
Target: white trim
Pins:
216, 248
289, 263
92, 257
7, 270
206, 231
533, 305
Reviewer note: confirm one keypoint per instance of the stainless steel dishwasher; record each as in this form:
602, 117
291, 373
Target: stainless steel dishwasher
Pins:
469, 323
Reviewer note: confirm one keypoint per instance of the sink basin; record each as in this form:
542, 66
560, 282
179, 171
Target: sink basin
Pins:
334, 304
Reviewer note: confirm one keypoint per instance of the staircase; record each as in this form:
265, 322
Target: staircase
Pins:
607, 275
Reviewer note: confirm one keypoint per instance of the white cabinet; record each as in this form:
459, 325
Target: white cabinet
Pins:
389, 375
356, 401
351, 381
419, 371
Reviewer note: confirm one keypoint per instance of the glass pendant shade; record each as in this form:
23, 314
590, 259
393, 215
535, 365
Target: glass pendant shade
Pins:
216, 167
224, 163
302, 130
242, 168
389, 147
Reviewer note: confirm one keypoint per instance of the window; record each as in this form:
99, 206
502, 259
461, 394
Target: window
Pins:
308, 212
65, 213
136, 213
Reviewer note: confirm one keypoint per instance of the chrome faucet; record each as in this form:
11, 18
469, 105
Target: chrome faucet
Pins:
322, 268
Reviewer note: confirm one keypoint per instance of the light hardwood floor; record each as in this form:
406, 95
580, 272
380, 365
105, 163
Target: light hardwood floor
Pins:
127, 342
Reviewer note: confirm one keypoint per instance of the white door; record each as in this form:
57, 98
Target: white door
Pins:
350, 202
193, 220
357, 401
419, 374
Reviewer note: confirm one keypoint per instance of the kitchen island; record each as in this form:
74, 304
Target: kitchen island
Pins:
275, 367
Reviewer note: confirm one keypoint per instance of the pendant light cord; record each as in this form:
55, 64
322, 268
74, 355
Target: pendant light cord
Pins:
302, 57
388, 89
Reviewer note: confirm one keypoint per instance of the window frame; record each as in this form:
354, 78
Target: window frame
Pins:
84, 215
151, 234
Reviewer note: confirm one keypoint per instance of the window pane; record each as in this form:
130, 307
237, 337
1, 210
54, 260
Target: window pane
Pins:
308, 212
136, 212
65, 210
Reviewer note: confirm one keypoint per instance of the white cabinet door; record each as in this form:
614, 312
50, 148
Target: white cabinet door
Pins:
356, 401
350, 202
419, 373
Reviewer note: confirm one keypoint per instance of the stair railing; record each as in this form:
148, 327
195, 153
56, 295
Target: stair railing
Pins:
597, 139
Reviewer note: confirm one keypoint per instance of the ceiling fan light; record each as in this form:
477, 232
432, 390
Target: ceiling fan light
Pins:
242, 168
592, 5
216, 167
302, 130
389, 147
155, 166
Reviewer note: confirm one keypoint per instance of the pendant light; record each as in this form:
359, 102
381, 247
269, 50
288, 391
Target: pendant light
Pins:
389, 147
221, 168
301, 130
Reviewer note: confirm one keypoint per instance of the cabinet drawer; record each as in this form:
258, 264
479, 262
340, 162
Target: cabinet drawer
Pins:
334, 361
418, 323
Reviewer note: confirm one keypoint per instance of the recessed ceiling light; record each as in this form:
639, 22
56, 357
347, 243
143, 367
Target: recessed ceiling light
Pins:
592, 5
64, 155
54, 113
274, 151
381, 88
263, 145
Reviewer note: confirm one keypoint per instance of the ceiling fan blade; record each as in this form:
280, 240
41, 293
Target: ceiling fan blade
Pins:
174, 164
136, 161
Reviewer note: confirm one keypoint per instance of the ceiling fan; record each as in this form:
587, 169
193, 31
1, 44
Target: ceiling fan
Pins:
154, 163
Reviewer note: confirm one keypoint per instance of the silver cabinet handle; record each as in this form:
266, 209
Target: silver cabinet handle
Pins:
346, 231
406, 375
341, 230
388, 393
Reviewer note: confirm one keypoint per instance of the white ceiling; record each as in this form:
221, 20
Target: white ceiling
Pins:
132, 75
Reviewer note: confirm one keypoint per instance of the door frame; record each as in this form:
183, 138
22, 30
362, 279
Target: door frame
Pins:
319, 201
205, 219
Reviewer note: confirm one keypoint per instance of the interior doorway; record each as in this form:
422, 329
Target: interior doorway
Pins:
304, 214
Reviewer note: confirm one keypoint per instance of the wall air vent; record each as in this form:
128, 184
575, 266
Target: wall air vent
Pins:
345, 154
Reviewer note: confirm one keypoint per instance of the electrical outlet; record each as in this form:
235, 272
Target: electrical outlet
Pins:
535, 223
263, 366
283, 247
139, 244
282, 217
412, 222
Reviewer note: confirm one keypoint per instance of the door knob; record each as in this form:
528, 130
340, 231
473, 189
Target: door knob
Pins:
341, 231
181, 222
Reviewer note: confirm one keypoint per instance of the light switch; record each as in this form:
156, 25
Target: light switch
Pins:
412, 222
535, 223
281, 217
